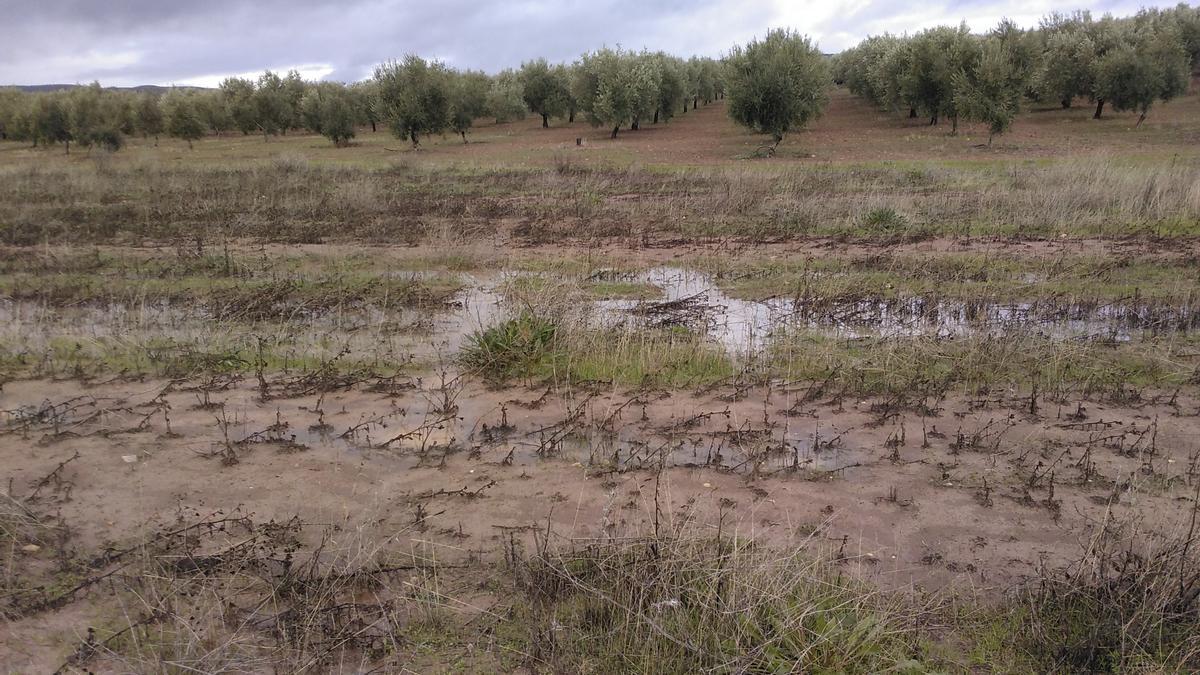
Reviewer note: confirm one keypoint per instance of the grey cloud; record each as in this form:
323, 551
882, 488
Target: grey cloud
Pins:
163, 41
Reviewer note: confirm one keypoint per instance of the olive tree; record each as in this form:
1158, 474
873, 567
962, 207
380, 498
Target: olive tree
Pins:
544, 90
1024, 49
643, 78
672, 86
293, 89
213, 111
601, 88
615, 87
1150, 66
888, 77
936, 56
414, 97
505, 100
874, 70
182, 116
363, 95
19, 115
328, 109
1187, 20
711, 85
1066, 68
691, 82
272, 106
238, 96
148, 116
1106, 36
858, 69
11, 103
565, 75
777, 84
991, 91
95, 118
468, 100
51, 121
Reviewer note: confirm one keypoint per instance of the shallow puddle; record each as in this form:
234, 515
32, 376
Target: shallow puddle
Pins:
694, 300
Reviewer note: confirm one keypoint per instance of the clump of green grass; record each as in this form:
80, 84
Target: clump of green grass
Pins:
531, 346
883, 219
558, 337
513, 347
885, 223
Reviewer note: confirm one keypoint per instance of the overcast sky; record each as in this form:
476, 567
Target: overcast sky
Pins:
129, 42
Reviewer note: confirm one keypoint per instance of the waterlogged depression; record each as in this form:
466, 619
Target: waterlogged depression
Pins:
694, 300
687, 299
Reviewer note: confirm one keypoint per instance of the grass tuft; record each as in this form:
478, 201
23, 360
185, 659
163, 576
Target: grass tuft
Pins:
512, 347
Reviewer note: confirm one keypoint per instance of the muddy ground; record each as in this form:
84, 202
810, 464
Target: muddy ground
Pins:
953, 489
976, 492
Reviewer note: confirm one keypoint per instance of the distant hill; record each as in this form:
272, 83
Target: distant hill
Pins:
148, 88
